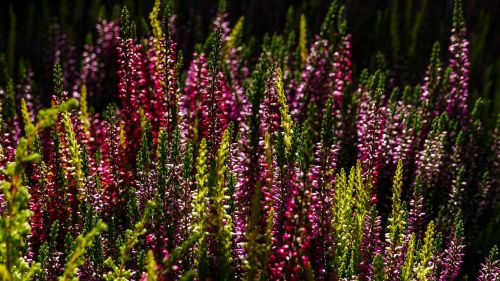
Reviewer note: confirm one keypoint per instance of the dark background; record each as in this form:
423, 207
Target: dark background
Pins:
371, 23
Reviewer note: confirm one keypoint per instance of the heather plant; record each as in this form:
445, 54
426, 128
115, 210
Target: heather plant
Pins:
16, 216
285, 156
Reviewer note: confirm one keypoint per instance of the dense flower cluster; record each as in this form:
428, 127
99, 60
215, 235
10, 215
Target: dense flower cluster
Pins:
283, 166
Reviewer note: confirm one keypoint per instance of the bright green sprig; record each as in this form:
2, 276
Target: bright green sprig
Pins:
76, 258
269, 240
396, 223
10, 101
199, 200
120, 272
222, 221
303, 40
425, 255
342, 222
14, 222
286, 120
84, 113
152, 275
268, 151
235, 35
200, 206
251, 264
28, 124
74, 153
351, 204
155, 23
407, 269
363, 206
48, 117
125, 23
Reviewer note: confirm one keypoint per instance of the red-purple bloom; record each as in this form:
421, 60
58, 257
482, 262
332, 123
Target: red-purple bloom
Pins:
131, 88
315, 85
190, 102
451, 258
371, 246
459, 76
290, 252
490, 268
371, 127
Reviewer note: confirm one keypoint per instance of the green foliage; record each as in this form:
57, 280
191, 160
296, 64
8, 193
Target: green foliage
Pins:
77, 257
327, 27
407, 270
303, 40
361, 197
348, 229
155, 23
125, 23
458, 15
145, 154
235, 36
58, 80
47, 117
152, 275
84, 113
396, 224
178, 252
10, 102
120, 272
199, 209
417, 25
378, 268
14, 222
286, 120
426, 254
75, 158
221, 221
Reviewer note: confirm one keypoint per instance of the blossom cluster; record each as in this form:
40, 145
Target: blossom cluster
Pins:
286, 165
